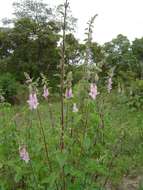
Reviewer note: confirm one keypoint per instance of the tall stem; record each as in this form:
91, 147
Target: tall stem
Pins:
44, 139
62, 145
62, 76
34, 176
67, 113
51, 115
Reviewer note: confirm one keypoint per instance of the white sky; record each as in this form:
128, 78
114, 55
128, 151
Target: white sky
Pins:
115, 17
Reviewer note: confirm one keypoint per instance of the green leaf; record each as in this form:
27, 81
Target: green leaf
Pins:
17, 177
61, 158
87, 143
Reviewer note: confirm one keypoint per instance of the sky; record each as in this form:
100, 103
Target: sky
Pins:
114, 17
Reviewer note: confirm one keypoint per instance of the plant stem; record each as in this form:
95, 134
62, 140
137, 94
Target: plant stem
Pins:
116, 154
67, 113
44, 139
62, 76
62, 145
45, 144
34, 176
51, 115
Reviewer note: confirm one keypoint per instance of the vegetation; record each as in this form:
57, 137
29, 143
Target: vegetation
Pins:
82, 126
116, 152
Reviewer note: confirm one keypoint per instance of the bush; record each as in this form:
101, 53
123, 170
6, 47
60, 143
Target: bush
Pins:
9, 87
135, 99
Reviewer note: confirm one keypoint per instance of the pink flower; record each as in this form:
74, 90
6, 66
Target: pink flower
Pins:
33, 102
109, 86
75, 109
68, 93
93, 91
24, 154
46, 92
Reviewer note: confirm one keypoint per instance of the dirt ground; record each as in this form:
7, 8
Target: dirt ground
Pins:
128, 183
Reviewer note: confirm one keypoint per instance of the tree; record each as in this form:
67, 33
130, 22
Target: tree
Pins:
5, 48
119, 55
34, 10
72, 49
97, 52
32, 41
137, 47
34, 48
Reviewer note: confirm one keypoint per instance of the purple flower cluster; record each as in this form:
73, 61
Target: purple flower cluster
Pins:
93, 91
33, 101
68, 93
24, 154
109, 86
46, 92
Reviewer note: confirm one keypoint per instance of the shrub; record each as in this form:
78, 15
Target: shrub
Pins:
135, 95
9, 86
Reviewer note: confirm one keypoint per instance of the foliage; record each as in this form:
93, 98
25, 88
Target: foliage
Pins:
33, 44
37, 11
78, 139
9, 87
119, 55
135, 95
137, 47
81, 157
